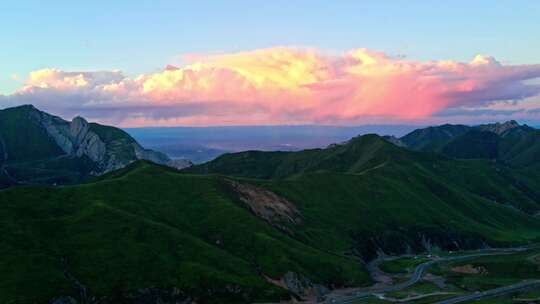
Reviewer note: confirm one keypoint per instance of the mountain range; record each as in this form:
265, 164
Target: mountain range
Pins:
202, 144
509, 142
259, 226
39, 148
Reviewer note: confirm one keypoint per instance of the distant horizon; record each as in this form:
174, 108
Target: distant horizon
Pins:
418, 125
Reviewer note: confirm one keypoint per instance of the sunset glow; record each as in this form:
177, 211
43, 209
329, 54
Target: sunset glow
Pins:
283, 85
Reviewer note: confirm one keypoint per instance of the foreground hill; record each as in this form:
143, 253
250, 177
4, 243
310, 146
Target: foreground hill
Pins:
278, 224
148, 226
38, 148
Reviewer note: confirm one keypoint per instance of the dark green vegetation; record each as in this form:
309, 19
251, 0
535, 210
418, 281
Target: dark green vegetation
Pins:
433, 138
147, 226
401, 265
530, 296
22, 141
509, 142
466, 275
260, 226
37, 148
486, 273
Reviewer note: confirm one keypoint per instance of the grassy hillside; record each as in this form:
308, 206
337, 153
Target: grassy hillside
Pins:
488, 180
22, 138
150, 226
473, 144
515, 145
433, 138
359, 154
238, 231
147, 225
395, 210
37, 148
521, 147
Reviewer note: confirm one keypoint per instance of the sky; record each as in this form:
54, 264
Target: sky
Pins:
199, 63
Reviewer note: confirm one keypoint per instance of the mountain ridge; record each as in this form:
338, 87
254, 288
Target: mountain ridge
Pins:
254, 226
508, 142
34, 142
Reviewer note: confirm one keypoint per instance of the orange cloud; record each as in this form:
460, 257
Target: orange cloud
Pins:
283, 86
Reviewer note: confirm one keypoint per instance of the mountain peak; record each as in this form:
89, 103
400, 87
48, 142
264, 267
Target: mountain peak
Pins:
59, 146
25, 107
79, 120
500, 128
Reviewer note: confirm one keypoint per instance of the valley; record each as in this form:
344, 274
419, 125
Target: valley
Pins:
269, 152
426, 283
387, 222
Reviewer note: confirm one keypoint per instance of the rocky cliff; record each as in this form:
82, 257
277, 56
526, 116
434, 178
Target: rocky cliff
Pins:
74, 148
112, 150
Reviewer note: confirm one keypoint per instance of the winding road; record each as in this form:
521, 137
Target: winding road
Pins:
493, 292
420, 270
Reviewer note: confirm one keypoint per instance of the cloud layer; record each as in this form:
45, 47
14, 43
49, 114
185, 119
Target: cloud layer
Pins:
281, 86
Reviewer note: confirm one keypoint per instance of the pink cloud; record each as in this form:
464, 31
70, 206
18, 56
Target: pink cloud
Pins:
281, 86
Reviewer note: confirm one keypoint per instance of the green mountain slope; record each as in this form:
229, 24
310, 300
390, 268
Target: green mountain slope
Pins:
23, 139
150, 226
222, 239
473, 144
433, 138
38, 148
492, 181
359, 154
521, 147
509, 142
258, 226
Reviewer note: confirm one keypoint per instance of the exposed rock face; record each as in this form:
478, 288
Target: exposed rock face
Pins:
86, 142
500, 128
394, 140
160, 158
303, 287
180, 163
79, 138
267, 205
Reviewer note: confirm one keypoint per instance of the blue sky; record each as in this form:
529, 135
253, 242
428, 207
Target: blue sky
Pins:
86, 58
142, 36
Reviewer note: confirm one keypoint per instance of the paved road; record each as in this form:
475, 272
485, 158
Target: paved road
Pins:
419, 272
493, 292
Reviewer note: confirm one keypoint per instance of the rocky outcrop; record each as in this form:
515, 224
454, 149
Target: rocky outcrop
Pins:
160, 158
85, 142
303, 287
74, 138
179, 163
500, 128
78, 138
267, 205
394, 140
